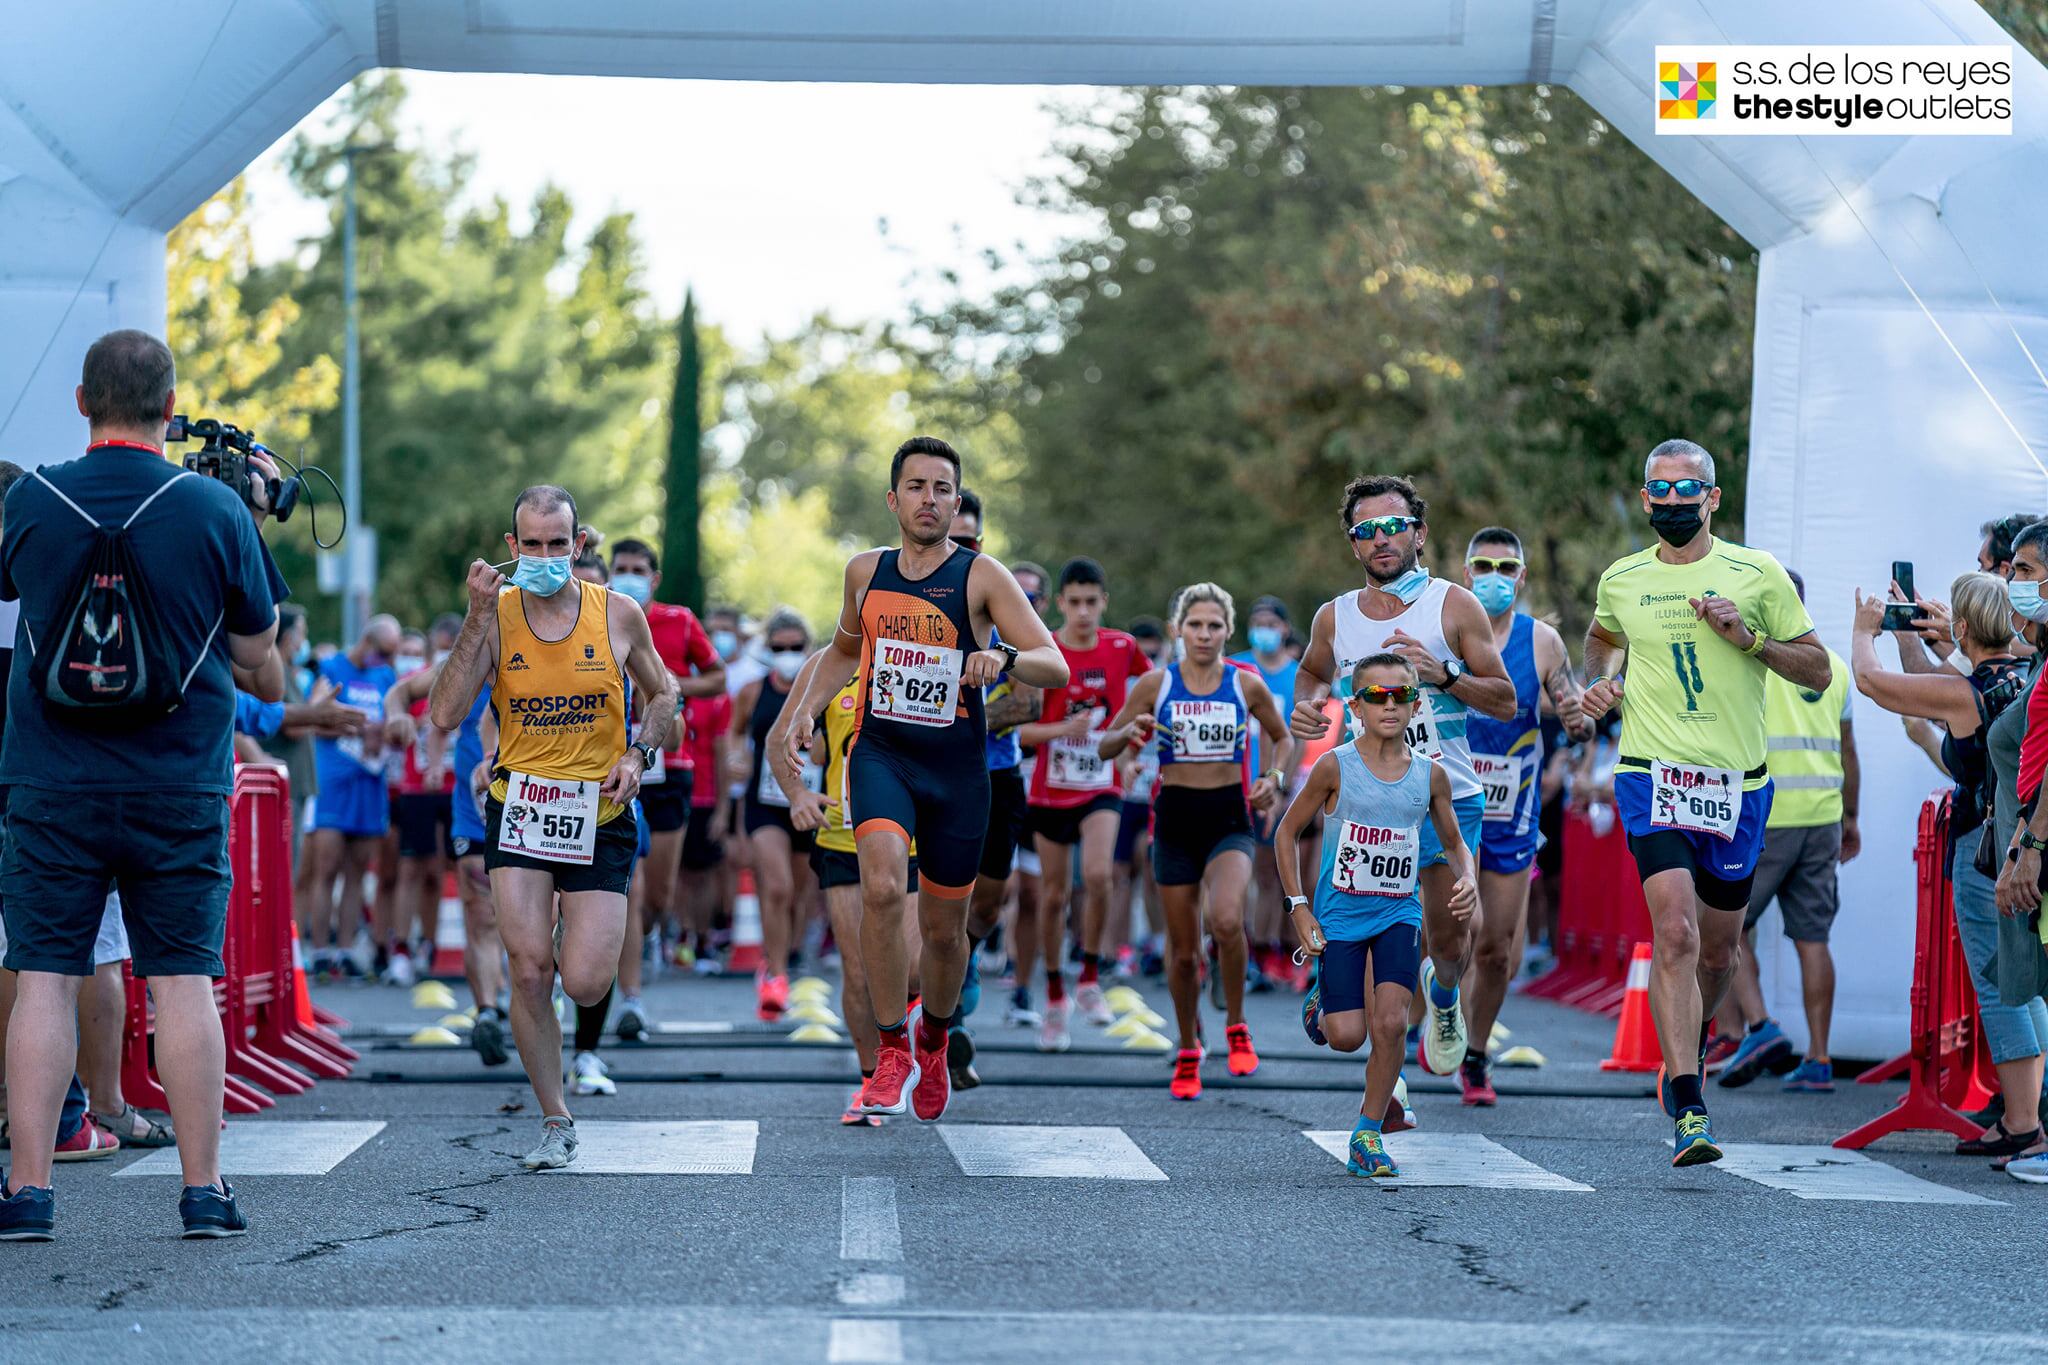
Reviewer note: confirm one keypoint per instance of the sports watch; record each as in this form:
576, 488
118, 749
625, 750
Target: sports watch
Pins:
646, 752
1454, 669
1009, 653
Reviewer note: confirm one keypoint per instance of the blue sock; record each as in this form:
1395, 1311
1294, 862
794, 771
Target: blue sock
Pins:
1365, 1123
1440, 995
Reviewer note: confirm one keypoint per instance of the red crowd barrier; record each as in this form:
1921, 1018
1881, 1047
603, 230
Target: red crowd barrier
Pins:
1601, 917
1948, 1067
269, 1047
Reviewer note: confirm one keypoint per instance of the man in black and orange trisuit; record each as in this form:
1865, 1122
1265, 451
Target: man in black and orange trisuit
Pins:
919, 766
555, 652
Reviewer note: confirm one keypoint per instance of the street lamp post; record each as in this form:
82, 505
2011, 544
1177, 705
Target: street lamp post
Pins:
355, 591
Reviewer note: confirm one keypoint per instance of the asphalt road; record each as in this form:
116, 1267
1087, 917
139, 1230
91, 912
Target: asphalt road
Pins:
1112, 1223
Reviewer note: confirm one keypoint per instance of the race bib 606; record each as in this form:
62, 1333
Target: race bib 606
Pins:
1373, 860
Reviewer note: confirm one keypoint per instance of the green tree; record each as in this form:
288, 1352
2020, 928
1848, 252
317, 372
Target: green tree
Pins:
684, 475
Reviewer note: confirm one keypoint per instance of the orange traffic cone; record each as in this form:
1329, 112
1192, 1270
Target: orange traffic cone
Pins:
1635, 1036
302, 999
746, 927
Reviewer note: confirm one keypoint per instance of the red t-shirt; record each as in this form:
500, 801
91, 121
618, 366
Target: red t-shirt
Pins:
2034, 746
413, 781
681, 641
1068, 773
705, 719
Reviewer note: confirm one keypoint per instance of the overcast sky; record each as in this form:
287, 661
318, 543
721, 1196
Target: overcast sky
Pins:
768, 198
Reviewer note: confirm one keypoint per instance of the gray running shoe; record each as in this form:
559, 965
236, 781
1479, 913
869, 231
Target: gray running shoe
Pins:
557, 1145
487, 1036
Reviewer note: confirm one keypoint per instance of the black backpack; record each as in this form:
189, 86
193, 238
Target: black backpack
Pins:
111, 660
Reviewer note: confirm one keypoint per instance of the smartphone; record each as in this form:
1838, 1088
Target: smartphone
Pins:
1900, 615
1902, 574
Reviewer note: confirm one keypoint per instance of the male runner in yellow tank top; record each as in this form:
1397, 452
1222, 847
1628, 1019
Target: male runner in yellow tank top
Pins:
556, 653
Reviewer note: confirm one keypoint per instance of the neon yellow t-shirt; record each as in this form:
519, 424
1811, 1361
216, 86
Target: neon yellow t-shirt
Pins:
1689, 696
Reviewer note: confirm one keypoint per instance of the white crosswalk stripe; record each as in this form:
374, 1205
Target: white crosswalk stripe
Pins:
667, 1147
1030, 1150
1459, 1159
272, 1147
1831, 1173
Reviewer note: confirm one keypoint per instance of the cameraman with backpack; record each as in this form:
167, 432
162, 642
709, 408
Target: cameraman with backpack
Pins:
146, 597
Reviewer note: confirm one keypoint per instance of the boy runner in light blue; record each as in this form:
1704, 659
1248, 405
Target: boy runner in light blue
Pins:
1374, 793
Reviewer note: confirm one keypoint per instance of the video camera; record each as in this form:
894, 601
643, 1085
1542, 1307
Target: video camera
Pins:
225, 456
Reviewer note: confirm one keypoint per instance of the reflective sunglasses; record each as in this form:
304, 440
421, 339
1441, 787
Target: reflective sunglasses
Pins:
1383, 526
1685, 488
1404, 695
1481, 565
966, 542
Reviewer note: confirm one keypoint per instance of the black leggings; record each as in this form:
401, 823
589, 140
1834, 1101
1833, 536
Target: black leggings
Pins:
590, 1021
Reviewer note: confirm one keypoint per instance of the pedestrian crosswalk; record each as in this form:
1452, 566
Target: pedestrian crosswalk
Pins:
1094, 1153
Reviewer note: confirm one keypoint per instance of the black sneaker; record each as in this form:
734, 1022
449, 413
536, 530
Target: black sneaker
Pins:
960, 1058
211, 1212
487, 1036
28, 1214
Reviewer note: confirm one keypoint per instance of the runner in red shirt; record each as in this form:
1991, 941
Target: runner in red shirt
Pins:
668, 789
422, 816
707, 877
1076, 796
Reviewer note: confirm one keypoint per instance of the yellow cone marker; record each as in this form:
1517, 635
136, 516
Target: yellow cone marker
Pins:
809, 1012
1122, 999
432, 995
809, 985
434, 1036
1146, 1017
1500, 1033
457, 1023
1130, 1026
814, 1033
1521, 1055
1148, 1041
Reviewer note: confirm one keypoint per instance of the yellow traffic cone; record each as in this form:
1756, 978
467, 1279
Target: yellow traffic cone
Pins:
434, 1036
814, 1033
1520, 1055
457, 1023
1148, 1041
432, 995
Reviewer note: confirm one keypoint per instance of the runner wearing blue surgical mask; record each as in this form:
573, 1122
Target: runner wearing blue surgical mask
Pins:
1269, 629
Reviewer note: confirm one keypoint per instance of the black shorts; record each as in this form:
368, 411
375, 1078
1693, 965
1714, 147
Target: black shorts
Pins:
1062, 824
1395, 955
701, 852
1136, 819
836, 867
943, 810
666, 804
610, 867
1007, 826
425, 823
759, 816
1196, 827
167, 853
1550, 824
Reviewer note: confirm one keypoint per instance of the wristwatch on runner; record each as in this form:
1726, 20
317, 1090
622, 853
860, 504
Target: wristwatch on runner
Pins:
646, 752
1454, 669
1009, 653
1756, 646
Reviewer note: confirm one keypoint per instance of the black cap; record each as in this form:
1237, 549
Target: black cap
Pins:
1274, 605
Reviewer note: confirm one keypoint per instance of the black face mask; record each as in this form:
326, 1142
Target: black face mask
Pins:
1676, 522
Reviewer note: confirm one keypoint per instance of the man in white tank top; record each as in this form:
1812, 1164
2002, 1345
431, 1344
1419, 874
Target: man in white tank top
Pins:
1442, 630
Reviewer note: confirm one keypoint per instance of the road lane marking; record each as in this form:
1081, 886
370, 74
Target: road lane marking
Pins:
272, 1147
868, 1228
1459, 1159
1058, 1152
667, 1147
865, 1341
1832, 1173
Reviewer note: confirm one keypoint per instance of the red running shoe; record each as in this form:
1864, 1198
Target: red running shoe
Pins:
895, 1072
1187, 1075
771, 996
1475, 1085
933, 1088
853, 1117
1720, 1048
89, 1143
1243, 1061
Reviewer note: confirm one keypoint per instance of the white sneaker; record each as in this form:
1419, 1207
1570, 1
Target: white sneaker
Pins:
398, 972
592, 1076
1022, 1015
1094, 1008
1443, 1032
1052, 1035
632, 1025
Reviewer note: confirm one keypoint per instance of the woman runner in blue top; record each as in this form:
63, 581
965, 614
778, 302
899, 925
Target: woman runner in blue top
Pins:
1196, 711
1374, 793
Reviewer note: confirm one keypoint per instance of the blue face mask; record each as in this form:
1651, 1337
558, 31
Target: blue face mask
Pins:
1495, 591
726, 642
541, 576
1409, 585
1267, 639
303, 655
2025, 599
637, 586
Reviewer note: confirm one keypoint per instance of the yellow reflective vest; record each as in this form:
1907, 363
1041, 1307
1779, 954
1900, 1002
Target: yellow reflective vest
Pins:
1803, 746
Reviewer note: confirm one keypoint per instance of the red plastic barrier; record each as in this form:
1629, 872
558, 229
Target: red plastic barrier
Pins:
267, 1046
1601, 917
1948, 1067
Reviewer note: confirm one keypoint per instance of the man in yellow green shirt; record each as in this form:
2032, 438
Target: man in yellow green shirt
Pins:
1683, 636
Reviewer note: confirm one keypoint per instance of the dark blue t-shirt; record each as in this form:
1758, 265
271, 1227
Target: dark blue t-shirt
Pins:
209, 575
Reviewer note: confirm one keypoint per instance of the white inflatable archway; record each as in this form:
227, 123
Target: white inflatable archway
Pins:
1873, 436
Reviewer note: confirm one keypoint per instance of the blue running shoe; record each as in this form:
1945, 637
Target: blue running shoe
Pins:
1312, 1006
1369, 1156
210, 1211
1766, 1048
28, 1214
2032, 1169
1692, 1140
970, 986
1811, 1078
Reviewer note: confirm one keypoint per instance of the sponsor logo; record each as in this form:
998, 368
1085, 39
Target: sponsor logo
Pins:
1685, 90
1650, 599
590, 651
516, 663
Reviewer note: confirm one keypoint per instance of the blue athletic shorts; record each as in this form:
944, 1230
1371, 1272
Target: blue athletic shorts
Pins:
1505, 851
646, 844
1722, 868
1395, 953
359, 807
1471, 815
466, 823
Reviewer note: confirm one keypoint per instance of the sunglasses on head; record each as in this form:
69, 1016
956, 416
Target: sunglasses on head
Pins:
1479, 564
1685, 488
1404, 695
1383, 526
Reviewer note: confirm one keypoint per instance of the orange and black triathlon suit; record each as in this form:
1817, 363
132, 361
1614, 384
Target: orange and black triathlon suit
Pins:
919, 763
561, 711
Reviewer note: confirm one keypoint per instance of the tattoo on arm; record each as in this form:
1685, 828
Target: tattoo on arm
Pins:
1014, 707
